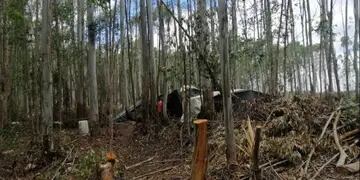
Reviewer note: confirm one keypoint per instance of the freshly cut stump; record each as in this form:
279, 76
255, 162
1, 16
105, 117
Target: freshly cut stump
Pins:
199, 161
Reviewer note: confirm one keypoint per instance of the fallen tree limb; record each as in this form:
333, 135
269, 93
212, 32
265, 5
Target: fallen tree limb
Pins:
341, 108
139, 163
343, 155
330, 160
166, 161
324, 165
266, 165
307, 163
352, 167
349, 134
278, 163
154, 172
62, 164
276, 173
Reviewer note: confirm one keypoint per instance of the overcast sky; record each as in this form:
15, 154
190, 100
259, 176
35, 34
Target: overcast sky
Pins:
338, 18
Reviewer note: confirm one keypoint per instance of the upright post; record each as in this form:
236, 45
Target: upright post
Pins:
255, 154
199, 161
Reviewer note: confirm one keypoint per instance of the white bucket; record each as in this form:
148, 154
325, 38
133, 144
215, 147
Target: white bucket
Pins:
84, 127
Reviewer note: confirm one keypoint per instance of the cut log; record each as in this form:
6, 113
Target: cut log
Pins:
199, 161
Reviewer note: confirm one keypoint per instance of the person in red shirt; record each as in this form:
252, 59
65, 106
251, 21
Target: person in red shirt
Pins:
159, 106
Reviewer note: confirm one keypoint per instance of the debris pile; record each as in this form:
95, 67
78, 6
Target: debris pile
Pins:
294, 128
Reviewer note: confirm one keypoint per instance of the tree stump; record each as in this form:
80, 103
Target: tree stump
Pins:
255, 154
199, 161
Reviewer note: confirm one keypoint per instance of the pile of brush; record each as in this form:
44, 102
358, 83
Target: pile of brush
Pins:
300, 134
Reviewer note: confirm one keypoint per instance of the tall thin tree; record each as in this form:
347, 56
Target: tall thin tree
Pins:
314, 85
94, 107
47, 85
356, 48
202, 33
225, 66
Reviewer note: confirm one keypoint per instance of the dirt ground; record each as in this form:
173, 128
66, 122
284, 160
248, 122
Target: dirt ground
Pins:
291, 129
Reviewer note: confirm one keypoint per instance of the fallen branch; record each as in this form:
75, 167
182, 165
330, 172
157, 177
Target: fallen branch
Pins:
265, 165
307, 163
139, 163
276, 164
324, 165
62, 164
341, 108
352, 167
349, 134
276, 173
330, 160
343, 155
154, 172
166, 161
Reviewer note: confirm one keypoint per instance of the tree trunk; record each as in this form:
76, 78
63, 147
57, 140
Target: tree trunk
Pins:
278, 41
233, 46
149, 90
80, 102
186, 103
151, 67
269, 39
314, 85
123, 70
47, 84
129, 53
212, 25
285, 47
333, 60
163, 59
202, 32
5, 86
327, 43
346, 41
355, 48
94, 107
295, 54
227, 105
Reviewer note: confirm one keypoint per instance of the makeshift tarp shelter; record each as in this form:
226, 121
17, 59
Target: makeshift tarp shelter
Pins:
175, 106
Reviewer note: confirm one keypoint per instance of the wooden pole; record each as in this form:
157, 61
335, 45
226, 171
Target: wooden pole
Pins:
255, 154
199, 161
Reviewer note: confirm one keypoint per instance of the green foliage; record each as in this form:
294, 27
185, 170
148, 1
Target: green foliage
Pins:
86, 165
17, 24
64, 11
8, 138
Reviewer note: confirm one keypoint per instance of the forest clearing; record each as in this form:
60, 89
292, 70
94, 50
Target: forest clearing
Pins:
179, 89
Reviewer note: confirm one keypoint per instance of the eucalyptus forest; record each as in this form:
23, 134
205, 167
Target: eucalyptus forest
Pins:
179, 89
